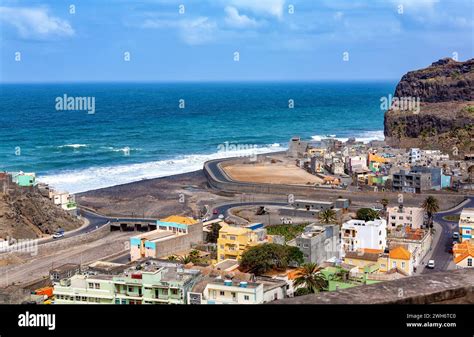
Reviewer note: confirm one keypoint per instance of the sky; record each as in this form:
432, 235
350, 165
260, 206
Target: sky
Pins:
198, 40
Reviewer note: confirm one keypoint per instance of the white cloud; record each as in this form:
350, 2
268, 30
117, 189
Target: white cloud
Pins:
192, 31
35, 23
261, 7
198, 31
234, 19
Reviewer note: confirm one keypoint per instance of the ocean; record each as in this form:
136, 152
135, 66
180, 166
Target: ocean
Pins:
148, 130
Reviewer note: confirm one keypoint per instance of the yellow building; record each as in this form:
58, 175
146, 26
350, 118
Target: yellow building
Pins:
400, 257
180, 219
378, 159
377, 260
234, 241
364, 258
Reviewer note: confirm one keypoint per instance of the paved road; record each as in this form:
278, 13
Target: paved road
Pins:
224, 209
442, 254
95, 222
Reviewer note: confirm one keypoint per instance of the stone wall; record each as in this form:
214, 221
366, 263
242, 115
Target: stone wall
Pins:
444, 287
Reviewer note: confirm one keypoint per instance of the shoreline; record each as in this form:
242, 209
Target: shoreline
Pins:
70, 180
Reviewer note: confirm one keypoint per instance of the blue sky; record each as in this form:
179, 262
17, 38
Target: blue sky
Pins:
383, 39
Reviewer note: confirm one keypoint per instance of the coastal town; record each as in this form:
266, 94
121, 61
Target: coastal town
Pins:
381, 214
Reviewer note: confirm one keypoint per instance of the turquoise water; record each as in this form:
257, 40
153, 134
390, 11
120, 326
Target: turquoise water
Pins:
138, 130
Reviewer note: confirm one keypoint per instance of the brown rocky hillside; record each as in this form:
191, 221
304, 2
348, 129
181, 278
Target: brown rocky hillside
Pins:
446, 116
28, 214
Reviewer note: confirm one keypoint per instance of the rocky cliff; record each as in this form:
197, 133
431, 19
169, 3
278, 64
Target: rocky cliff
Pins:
445, 116
28, 214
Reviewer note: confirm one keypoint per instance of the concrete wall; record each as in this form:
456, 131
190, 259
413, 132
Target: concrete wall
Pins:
180, 243
444, 287
448, 200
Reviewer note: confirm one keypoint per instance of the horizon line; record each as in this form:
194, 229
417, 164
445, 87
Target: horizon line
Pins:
204, 81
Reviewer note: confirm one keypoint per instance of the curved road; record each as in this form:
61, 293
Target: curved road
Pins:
442, 254
224, 209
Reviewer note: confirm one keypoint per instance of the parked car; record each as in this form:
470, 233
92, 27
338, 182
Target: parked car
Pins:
456, 235
215, 211
431, 264
221, 216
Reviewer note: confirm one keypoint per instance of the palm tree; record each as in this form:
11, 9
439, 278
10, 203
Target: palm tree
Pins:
327, 216
172, 258
310, 278
431, 206
185, 259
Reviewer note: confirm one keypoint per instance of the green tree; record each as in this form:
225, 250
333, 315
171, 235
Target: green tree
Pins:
268, 256
431, 206
367, 214
310, 278
294, 256
384, 203
327, 216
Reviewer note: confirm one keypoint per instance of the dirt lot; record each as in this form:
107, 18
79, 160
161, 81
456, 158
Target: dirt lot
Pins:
271, 173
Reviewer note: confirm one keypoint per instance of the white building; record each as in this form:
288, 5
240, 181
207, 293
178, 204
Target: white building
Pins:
233, 292
412, 217
414, 155
466, 224
357, 162
360, 234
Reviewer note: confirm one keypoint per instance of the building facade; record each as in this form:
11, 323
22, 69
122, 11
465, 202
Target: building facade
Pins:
234, 241
466, 224
401, 216
318, 243
360, 234
153, 285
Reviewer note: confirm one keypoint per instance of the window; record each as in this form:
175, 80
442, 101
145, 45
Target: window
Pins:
469, 262
394, 264
232, 237
117, 301
174, 291
91, 285
246, 297
305, 245
221, 293
97, 285
403, 265
130, 289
